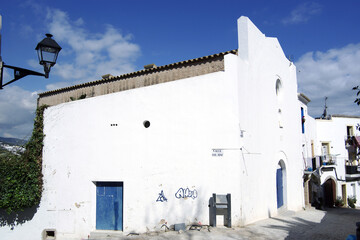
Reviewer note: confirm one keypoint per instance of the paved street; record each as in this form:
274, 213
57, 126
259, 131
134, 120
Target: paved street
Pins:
335, 223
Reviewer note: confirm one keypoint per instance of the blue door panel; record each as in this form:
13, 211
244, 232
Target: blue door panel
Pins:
109, 205
103, 207
302, 122
279, 188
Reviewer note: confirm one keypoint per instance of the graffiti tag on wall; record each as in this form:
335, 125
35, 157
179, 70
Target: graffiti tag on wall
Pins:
161, 197
186, 193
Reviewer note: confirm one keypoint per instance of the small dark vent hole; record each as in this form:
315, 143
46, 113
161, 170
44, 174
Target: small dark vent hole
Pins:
146, 124
50, 233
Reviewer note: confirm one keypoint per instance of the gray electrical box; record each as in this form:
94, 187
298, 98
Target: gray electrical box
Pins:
180, 226
220, 205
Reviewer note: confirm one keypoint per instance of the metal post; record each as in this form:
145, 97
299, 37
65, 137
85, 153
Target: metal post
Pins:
228, 197
1, 62
0, 36
1, 74
214, 210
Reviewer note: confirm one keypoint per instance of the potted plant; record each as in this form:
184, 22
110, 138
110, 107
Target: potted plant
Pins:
339, 202
351, 201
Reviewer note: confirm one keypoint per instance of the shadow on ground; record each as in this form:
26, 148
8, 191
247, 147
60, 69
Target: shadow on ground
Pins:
15, 218
337, 223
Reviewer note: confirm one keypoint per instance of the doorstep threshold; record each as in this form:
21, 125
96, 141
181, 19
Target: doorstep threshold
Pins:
106, 234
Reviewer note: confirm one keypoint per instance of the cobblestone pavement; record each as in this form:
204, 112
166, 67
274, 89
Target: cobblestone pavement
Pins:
333, 223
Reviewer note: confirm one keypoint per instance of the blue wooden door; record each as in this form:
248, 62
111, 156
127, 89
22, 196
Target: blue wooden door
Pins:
109, 205
279, 188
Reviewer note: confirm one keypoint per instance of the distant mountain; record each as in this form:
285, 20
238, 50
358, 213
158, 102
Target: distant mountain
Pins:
13, 145
13, 141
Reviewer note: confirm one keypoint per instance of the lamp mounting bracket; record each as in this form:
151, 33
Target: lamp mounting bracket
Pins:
18, 73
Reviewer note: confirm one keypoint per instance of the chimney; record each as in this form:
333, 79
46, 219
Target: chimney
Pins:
149, 66
106, 76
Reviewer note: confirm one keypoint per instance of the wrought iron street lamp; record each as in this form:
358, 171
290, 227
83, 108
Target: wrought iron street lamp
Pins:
47, 49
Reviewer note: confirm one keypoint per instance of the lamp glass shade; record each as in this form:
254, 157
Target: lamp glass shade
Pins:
48, 50
47, 55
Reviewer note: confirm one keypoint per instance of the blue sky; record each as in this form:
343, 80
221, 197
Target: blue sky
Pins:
108, 36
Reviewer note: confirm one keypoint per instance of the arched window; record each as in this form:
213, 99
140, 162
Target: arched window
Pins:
278, 88
279, 93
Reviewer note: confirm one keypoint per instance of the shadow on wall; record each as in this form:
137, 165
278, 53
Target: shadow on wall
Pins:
15, 218
328, 228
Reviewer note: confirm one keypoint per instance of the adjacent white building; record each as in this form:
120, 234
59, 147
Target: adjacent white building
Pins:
337, 140
331, 165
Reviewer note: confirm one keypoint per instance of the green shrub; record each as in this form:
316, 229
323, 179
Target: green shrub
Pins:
339, 202
21, 180
351, 201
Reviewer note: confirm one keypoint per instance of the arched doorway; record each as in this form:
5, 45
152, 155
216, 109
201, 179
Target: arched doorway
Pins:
281, 184
329, 188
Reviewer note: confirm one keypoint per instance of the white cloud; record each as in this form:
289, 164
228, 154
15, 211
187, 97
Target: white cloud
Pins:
333, 74
17, 112
302, 13
57, 85
69, 71
79, 22
90, 55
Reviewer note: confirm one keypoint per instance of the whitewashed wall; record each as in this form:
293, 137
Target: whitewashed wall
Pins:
308, 138
334, 132
261, 63
188, 119
352, 189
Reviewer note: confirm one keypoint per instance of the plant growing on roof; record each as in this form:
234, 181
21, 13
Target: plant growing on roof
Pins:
82, 96
357, 99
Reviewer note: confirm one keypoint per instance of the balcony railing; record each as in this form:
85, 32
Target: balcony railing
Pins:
312, 164
352, 169
352, 173
328, 160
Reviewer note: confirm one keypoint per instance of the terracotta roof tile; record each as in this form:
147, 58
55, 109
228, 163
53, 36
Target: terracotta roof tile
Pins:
140, 72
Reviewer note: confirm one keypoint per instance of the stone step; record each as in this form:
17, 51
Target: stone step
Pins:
106, 235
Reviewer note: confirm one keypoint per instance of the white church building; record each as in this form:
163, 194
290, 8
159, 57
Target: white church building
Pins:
152, 147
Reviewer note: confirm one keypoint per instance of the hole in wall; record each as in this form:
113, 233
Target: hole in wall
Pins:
49, 234
278, 87
146, 124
